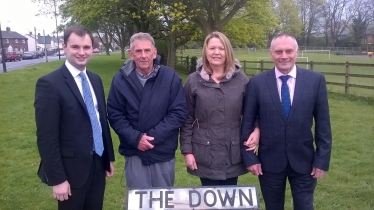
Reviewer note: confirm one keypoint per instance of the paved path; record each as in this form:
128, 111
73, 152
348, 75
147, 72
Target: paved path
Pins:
14, 65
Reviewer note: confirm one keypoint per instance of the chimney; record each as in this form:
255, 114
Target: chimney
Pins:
30, 33
38, 34
7, 29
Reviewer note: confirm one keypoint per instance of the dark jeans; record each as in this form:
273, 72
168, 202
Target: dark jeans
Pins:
211, 182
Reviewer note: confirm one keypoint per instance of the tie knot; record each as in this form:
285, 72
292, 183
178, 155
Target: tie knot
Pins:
284, 78
82, 75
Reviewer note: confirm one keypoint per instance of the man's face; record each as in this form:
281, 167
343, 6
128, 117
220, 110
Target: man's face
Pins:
143, 54
284, 54
78, 50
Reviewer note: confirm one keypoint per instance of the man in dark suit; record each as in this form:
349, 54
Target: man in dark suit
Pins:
73, 135
285, 100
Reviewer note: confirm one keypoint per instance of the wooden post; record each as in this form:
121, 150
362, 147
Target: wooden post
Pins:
244, 67
311, 65
346, 78
262, 65
188, 62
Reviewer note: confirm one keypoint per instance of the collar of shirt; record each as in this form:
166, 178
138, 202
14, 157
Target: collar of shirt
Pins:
74, 71
292, 73
291, 82
151, 74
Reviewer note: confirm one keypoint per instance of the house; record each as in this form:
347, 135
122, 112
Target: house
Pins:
13, 41
56, 42
38, 43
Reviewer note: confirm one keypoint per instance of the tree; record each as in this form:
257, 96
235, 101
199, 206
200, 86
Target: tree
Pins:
362, 16
172, 26
289, 17
287, 14
337, 17
251, 24
359, 27
309, 13
212, 15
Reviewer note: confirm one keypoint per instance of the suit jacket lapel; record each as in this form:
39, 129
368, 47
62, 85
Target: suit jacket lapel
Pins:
299, 87
73, 86
272, 85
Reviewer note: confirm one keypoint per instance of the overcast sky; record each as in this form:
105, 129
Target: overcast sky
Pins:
19, 15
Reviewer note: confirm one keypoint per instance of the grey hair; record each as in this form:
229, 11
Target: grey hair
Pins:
284, 35
141, 36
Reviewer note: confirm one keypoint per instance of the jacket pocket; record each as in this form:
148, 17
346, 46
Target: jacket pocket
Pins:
235, 155
67, 152
201, 151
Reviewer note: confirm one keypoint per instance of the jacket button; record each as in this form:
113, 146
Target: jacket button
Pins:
208, 142
91, 152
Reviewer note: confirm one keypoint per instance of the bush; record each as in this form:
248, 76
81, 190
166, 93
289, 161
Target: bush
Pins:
193, 64
162, 50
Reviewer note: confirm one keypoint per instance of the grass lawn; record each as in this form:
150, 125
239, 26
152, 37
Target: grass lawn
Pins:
348, 185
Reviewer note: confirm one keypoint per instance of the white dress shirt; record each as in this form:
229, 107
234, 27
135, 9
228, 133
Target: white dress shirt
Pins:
290, 82
75, 73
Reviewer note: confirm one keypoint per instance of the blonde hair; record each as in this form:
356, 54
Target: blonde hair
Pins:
229, 61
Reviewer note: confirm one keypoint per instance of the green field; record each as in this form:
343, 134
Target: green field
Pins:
348, 184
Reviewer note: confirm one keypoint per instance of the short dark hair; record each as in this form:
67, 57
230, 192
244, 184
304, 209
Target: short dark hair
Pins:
78, 30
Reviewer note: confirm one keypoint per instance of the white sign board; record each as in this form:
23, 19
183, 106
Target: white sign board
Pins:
222, 197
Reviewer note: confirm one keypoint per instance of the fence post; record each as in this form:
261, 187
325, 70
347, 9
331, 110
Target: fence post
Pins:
262, 65
311, 65
244, 67
188, 62
346, 78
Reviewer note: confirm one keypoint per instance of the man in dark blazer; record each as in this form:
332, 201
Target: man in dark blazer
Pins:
285, 100
75, 155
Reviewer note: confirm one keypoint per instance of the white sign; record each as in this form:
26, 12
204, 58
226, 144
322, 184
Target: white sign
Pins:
222, 197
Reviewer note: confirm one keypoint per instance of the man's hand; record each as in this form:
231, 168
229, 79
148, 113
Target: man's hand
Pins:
190, 162
255, 169
62, 191
111, 172
253, 140
144, 143
317, 173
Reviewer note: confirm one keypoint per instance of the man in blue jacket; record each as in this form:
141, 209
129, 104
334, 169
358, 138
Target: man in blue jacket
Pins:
146, 108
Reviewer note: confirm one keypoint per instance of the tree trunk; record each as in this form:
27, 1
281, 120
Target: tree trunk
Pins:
171, 59
123, 53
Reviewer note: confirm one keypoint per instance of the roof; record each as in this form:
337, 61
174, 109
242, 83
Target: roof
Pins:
12, 35
61, 39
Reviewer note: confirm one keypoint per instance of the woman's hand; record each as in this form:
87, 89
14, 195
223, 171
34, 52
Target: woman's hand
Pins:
190, 162
253, 140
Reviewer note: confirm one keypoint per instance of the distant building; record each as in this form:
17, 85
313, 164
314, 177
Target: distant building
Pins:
56, 42
13, 41
37, 44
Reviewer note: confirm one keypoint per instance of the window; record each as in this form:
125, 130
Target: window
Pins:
23, 41
15, 40
6, 40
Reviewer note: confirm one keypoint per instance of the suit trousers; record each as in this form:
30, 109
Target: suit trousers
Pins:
91, 195
273, 187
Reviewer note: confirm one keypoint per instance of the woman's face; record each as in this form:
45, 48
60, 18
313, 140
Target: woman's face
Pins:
215, 53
